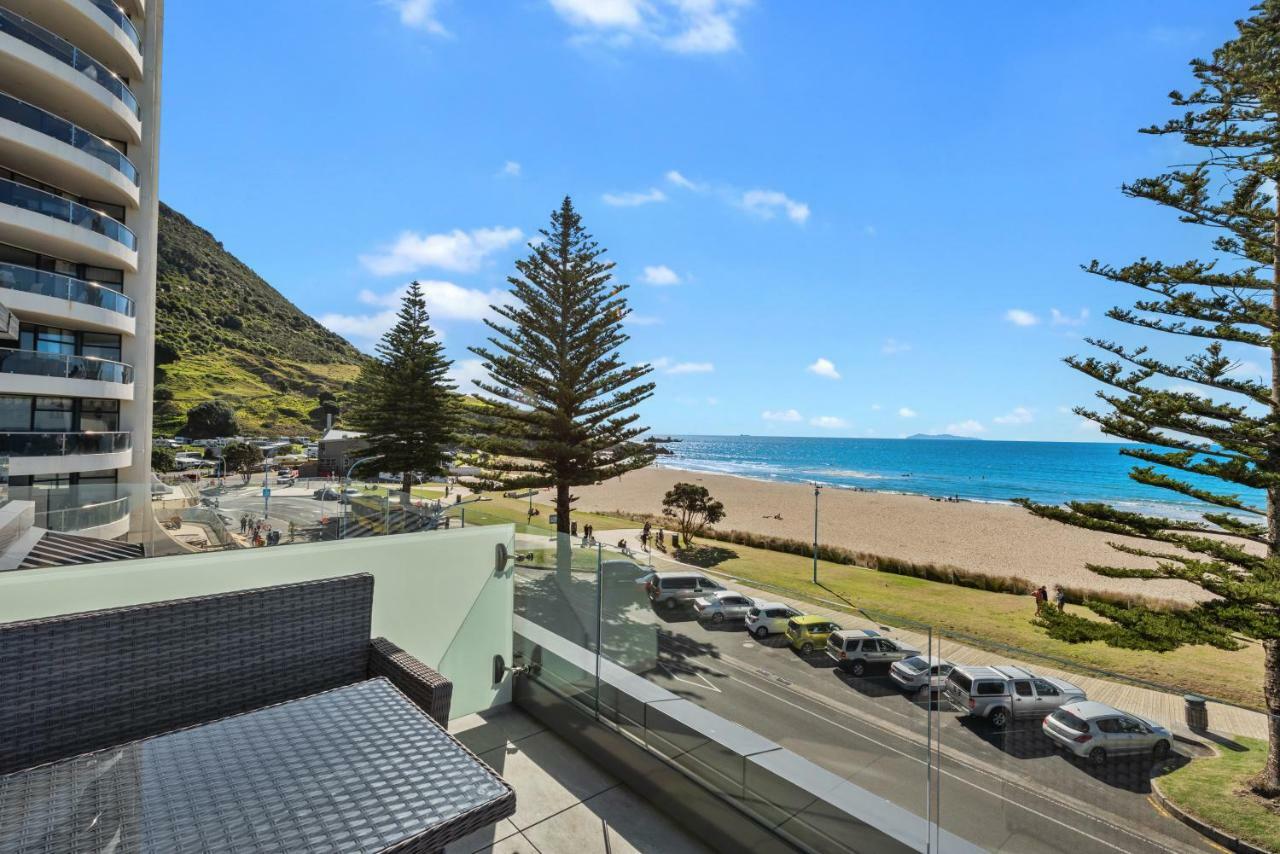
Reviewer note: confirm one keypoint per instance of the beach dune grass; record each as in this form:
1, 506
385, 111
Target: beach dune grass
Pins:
1216, 791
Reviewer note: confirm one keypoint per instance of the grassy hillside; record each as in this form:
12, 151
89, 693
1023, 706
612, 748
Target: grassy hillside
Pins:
223, 333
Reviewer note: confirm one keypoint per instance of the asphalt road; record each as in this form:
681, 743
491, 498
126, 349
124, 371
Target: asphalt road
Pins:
1005, 791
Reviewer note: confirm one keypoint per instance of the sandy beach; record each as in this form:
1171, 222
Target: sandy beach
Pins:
993, 538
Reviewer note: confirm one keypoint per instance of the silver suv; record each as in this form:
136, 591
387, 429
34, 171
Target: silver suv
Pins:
1000, 694
855, 650
679, 588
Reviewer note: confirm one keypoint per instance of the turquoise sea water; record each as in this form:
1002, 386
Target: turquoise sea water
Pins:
1049, 472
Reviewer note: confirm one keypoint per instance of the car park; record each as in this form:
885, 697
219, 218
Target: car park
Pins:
857, 650
1002, 693
1097, 732
722, 605
808, 632
670, 589
769, 618
917, 672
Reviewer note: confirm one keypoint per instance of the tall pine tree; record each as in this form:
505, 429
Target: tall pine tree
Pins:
1228, 429
561, 400
403, 400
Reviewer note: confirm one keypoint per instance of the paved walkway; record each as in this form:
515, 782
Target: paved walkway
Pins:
1161, 706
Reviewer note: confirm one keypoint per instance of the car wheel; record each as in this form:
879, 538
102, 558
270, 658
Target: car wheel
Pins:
717, 618
999, 718
1097, 756
806, 649
671, 604
1160, 751
858, 668
761, 633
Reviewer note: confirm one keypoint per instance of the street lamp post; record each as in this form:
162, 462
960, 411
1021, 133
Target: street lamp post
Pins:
346, 499
816, 490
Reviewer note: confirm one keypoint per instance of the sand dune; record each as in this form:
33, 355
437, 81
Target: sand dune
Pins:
994, 538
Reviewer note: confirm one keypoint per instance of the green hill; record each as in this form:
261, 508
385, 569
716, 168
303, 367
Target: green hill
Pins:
223, 333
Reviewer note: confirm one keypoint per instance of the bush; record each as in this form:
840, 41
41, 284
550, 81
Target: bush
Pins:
211, 419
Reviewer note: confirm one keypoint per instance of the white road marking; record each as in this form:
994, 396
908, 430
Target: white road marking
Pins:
702, 682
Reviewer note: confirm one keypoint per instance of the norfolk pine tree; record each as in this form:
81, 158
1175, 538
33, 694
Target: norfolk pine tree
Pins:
1229, 428
561, 401
403, 400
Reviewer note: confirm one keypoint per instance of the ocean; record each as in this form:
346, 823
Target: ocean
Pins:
1047, 472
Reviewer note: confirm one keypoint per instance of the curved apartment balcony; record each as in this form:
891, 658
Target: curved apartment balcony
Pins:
62, 228
55, 74
99, 27
106, 519
36, 373
56, 300
64, 453
38, 143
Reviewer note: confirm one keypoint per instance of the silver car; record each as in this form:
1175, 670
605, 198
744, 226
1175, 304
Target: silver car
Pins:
671, 589
769, 618
1004, 692
1096, 731
854, 650
723, 605
915, 673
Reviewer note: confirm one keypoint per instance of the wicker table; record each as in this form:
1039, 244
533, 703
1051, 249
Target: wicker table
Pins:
358, 768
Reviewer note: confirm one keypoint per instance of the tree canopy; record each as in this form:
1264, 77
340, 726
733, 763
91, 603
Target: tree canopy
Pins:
693, 508
210, 420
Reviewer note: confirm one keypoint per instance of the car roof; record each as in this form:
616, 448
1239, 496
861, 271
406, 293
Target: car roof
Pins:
999, 671
764, 603
1092, 709
724, 594
812, 618
858, 633
679, 575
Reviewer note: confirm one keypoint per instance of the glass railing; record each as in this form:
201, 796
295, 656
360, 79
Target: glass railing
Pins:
59, 128
61, 49
120, 19
38, 201
28, 280
62, 444
74, 519
35, 363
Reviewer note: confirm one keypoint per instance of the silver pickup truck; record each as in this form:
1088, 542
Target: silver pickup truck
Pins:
1000, 694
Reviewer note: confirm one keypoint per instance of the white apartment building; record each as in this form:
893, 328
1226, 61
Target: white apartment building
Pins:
79, 207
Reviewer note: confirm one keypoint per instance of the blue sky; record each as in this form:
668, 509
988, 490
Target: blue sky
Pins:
837, 218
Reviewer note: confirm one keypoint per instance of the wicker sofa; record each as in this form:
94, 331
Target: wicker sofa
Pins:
82, 682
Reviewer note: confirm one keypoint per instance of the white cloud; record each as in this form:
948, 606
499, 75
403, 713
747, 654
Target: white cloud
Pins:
965, 428
906, 412
660, 275
680, 26
828, 422
892, 347
1084, 425
631, 200
418, 14
669, 366
1057, 318
787, 415
363, 329
1019, 415
767, 203
824, 368
445, 301
458, 251
675, 178
510, 169
1020, 317
465, 371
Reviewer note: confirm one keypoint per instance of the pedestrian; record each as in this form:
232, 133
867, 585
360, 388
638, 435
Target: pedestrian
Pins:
587, 531
644, 540
1061, 599
662, 539
1039, 596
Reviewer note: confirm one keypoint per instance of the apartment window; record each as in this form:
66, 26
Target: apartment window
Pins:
54, 415
15, 413
116, 212
107, 276
100, 346
99, 415
49, 339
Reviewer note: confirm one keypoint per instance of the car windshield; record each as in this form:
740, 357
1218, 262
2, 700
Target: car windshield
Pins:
1070, 721
915, 663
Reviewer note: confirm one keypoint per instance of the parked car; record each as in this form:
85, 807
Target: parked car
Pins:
769, 618
721, 605
1096, 731
917, 672
808, 632
1000, 694
670, 589
325, 493
856, 650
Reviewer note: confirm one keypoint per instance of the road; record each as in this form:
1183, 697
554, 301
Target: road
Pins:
1003, 791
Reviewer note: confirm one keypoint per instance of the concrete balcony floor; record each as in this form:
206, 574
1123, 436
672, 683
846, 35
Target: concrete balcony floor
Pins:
564, 802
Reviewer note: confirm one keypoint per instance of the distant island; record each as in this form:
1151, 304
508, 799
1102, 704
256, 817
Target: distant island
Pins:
943, 436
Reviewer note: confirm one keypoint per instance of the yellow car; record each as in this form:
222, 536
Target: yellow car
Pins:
809, 633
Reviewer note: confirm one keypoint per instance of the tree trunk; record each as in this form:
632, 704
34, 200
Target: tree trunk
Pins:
564, 543
406, 482
1267, 783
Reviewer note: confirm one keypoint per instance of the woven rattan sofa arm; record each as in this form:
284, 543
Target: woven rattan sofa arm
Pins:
429, 690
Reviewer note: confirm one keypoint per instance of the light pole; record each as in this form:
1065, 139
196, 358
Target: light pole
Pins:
816, 490
346, 499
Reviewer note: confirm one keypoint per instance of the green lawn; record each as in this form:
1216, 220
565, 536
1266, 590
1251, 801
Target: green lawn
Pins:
1216, 790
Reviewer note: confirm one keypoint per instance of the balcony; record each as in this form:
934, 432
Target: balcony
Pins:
60, 227
64, 453
38, 143
51, 298
37, 373
57, 75
107, 519
99, 27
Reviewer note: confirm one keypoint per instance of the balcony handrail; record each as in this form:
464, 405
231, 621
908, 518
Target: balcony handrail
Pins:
59, 48
120, 19
42, 121
17, 277
101, 513
48, 204
73, 367
28, 443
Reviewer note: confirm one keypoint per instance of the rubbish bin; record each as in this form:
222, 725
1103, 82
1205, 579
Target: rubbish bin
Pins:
1197, 712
